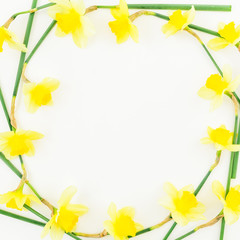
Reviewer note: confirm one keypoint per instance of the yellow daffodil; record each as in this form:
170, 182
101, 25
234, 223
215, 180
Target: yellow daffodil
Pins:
121, 226
123, 27
17, 143
66, 217
71, 19
11, 39
182, 204
178, 21
230, 35
222, 138
217, 85
231, 204
37, 95
17, 199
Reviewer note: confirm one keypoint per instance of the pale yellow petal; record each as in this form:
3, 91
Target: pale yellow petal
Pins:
112, 211
221, 26
134, 33
108, 225
124, 7
31, 134
190, 15
227, 73
218, 190
79, 6
216, 102
233, 147
127, 211
179, 219
51, 83
17, 45
206, 140
56, 232
79, 38
169, 29
66, 196
188, 188
59, 32
233, 85
47, 227
230, 216
167, 202
206, 93
139, 227
217, 44
170, 190
78, 209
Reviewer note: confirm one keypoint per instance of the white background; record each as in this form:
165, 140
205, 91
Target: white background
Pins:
125, 119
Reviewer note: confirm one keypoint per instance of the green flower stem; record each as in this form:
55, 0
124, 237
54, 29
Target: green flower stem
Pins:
186, 235
21, 218
236, 156
209, 224
48, 30
200, 186
198, 7
23, 54
170, 231
229, 174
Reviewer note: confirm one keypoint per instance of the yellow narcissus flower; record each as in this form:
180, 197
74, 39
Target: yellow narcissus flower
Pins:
123, 27
178, 21
121, 226
230, 35
17, 199
37, 95
231, 204
13, 144
222, 138
70, 18
182, 204
66, 217
217, 85
11, 39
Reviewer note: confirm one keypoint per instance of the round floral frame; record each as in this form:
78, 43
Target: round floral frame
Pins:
70, 17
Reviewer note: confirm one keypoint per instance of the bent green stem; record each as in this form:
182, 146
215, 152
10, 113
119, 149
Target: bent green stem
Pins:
21, 218
200, 186
229, 173
45, 34
209, 224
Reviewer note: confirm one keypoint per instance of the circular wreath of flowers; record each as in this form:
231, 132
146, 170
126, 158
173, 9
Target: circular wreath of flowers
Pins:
70, 17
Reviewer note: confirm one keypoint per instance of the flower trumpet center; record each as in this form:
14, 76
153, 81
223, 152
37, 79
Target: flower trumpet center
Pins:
233, 200
217, 84
69, 22
221, 136
229, 32
18, 144
41, 95
125, 226
185, 202
67, 219
178, 20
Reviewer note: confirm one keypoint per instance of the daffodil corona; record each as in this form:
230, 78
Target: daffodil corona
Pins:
182, 204
11, 39
123, 27
178, 21
221, 138
37, 95
231, 203
66, 217
16, 199
71, 19
230, 35
216, 86
17, 143
121, 226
